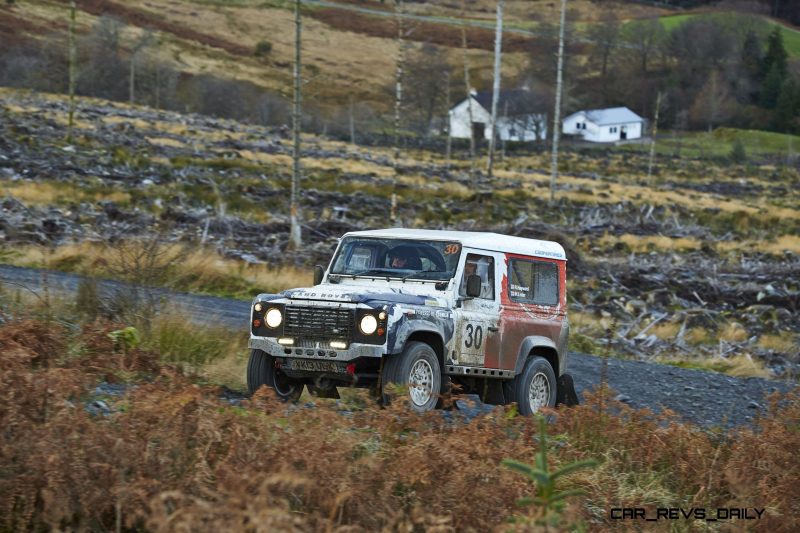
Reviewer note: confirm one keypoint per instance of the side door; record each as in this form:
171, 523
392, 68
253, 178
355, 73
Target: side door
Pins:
477, 318
533, 304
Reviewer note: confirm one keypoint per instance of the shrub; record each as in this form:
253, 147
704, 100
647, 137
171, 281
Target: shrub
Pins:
738, 154
263, 48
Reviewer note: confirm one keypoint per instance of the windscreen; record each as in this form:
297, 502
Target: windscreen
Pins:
401, 258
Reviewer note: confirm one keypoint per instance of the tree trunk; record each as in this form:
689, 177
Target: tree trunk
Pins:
449, 146
295, 239
468, 87
73, 71
398, 101
557, 110
352, 124
131, 79
498, 40
653, 140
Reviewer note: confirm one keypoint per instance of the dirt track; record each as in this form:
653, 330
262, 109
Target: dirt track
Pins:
706, 398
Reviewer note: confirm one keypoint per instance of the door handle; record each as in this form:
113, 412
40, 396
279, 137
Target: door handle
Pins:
493, 328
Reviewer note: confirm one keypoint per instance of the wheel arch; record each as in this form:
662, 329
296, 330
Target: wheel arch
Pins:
538, 346
432, 339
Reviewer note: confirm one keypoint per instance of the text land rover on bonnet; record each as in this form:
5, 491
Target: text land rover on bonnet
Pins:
425, 309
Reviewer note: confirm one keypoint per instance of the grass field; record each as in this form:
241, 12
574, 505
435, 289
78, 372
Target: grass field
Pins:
791, 38
719, 142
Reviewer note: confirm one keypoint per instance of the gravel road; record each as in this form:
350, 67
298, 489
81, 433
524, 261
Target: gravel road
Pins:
706, 398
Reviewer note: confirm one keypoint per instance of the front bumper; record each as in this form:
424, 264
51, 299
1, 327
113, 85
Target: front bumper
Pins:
319, 351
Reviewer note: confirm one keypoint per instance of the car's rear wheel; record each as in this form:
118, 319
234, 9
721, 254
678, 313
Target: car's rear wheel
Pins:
261, 370
418, 370
535, 387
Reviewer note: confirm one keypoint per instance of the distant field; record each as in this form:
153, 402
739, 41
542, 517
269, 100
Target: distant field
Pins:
791, 38
720, 141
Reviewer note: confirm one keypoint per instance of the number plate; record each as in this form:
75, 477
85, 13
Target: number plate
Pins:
309, 365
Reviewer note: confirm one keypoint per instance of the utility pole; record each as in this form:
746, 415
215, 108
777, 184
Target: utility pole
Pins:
398, 102
295, 238
557, 110
653, 140
498, 40
73, 71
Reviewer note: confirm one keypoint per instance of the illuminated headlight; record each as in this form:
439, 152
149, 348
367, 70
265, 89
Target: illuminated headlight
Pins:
274, 317
382, 315
339, 345
258, 307
368, 324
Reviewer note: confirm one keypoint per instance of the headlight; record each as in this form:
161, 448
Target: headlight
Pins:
368, 324
258, 307
274, 318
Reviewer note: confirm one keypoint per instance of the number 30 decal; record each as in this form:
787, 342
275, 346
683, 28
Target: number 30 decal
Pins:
474, 336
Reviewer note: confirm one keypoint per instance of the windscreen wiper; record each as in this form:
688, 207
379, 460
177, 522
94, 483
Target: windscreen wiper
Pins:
370, 270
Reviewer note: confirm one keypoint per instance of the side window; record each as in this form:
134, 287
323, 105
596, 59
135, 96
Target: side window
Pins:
533, 282
483, 266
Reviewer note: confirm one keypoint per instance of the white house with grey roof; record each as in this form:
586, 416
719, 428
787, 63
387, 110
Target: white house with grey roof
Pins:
517, 119
605, 125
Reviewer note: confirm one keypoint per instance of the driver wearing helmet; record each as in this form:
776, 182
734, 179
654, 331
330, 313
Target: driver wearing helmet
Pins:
404, 257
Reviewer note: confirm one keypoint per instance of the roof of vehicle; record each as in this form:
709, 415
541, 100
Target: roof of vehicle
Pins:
473, 239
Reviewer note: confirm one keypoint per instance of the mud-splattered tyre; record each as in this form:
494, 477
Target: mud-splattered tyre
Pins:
417, 369
535, 387
261, 371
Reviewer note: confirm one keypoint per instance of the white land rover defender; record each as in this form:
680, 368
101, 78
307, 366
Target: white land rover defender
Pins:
424, 309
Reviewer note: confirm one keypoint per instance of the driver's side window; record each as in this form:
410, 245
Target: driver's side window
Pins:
483, 266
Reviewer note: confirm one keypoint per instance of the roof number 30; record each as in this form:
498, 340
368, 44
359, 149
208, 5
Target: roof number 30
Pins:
474, 336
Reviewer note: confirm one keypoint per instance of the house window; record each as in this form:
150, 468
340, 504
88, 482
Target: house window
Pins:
533, 282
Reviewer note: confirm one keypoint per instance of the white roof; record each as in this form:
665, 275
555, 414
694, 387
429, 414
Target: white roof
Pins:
473, 239
612, 115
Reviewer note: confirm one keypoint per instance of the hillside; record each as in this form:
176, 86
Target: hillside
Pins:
219, 38
694, 267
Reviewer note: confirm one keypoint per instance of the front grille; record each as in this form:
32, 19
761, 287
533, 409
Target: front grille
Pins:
320, 323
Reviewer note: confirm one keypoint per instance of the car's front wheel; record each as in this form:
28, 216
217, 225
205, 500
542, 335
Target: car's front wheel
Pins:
417, 369
261, 370
535, 387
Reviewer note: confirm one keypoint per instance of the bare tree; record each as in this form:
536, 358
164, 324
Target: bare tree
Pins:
449, 146
557, 110
605, 36
73, 70
398, 102
424, 94
468, 88
498, 42
295, 238
142, 43
653, 139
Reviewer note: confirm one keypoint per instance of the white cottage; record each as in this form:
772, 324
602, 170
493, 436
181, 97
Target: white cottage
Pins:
516, 119
605, 125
